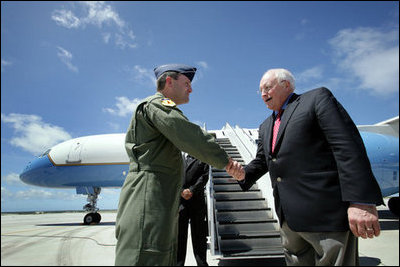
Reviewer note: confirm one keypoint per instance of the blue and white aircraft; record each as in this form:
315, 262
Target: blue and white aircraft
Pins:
89, 163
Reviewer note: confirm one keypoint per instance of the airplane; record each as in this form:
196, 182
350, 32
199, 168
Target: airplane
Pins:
90, 163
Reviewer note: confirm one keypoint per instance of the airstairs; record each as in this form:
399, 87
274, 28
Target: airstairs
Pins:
242, 224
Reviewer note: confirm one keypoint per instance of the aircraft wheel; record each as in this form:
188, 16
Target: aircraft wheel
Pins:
97, 217
89, 218
394, 205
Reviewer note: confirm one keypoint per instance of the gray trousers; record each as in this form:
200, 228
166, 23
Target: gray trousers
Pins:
319, 248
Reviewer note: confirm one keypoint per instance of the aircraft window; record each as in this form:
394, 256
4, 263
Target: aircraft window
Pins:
45, 153
257, 141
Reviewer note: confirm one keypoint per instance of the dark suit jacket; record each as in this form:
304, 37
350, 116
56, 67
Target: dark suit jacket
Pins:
196, 178
319, 164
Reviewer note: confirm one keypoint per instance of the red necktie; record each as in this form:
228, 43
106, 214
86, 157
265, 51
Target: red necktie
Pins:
276, 129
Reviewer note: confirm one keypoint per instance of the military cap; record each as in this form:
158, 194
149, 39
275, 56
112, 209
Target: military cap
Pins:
186, 70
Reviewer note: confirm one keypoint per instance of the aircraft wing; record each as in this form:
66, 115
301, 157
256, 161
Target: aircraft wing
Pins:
388, 127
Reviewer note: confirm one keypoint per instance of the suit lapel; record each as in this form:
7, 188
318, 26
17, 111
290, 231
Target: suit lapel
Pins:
269, 124
287, 114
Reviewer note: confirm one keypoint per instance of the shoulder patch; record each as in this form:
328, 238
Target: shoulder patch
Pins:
168, 102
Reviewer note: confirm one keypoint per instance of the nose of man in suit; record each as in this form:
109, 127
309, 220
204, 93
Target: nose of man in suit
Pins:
274, 91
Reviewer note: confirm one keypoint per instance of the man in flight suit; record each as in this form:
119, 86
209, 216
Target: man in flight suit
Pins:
193, 208
147, 217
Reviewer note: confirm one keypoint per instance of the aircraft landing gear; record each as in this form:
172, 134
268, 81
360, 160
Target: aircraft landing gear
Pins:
394, 205
93, 216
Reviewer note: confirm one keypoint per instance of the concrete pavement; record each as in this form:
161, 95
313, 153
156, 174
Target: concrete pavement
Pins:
62, 239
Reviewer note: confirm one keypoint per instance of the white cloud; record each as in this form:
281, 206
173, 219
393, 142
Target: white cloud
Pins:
144, 75
111, 191
121, 41
12, 179
202, 64
4, 63
37, 194
106, 37
66, 19
309, 78
114, 127
66, 58
5, 193
100, 15
370, 55
303, 30
314, 73
33, 193
32, 134
124, 106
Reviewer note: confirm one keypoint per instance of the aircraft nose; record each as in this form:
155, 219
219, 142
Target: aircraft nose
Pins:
34, 172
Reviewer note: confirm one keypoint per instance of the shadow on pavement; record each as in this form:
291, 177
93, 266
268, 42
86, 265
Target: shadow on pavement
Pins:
369, 261
77, 224
253, 262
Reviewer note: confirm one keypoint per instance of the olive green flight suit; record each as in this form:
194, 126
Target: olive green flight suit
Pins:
147, 218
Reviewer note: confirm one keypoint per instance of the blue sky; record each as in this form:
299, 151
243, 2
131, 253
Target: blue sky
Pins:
71, 69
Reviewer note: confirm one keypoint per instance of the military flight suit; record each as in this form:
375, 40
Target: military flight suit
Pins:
147, 218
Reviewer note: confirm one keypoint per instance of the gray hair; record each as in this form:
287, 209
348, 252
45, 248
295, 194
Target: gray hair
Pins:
161, 81
280, 75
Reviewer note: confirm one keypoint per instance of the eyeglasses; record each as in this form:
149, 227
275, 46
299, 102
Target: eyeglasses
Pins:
266, 89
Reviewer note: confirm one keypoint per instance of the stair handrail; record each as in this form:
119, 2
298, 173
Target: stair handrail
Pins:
233, 136
249, 138
211, 213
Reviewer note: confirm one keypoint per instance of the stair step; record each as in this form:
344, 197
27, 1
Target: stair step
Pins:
241, 205
232, 188
215, 170
254, 195
225, 217
224, 180
248, 230
230, 148
221, 174
251, 247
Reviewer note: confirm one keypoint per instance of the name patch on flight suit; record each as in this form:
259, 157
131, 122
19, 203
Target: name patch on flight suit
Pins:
168, 102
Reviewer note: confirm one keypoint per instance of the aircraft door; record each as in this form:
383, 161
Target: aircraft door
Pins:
74, 155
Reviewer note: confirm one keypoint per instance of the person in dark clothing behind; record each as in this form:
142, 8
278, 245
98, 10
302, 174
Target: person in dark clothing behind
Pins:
193, 208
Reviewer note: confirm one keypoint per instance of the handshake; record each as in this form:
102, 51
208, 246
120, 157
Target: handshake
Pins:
235, 169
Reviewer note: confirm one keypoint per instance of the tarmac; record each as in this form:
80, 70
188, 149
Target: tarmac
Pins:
61, 239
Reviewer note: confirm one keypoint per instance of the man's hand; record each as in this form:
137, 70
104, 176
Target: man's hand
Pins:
363, 220
235, 169
187, 194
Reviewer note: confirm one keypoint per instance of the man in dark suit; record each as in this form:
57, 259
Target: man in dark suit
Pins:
324, 189
193, 208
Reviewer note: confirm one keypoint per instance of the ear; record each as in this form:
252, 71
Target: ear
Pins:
286, 84
168, 80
